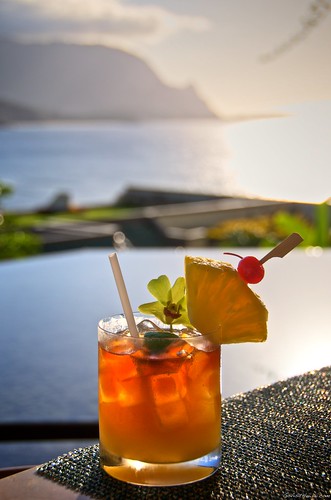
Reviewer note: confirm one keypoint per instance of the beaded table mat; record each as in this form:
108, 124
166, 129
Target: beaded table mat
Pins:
275, 444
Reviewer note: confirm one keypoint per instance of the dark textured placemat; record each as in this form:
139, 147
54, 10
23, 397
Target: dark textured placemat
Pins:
275, 444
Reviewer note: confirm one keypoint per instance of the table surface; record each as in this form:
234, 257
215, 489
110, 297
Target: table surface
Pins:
52, 304
28, 485
274, 438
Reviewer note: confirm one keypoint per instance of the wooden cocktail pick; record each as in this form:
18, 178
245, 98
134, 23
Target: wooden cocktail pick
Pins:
283, 248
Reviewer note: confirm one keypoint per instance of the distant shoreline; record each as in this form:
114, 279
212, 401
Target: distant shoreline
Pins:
151, 218
18, 114
77, 121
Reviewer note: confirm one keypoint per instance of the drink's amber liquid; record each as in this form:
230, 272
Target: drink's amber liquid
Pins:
158, 408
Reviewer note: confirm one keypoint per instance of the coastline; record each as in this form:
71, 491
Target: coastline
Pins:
153, 218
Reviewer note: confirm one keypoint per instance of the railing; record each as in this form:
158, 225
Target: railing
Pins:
48, 431
44, 431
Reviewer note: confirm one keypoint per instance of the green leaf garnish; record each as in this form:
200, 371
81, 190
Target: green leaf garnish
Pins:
170, 306
157, 342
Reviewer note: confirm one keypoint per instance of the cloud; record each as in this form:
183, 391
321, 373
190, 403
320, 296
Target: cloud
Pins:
91, 21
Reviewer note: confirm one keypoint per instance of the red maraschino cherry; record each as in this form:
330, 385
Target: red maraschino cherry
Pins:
249, 268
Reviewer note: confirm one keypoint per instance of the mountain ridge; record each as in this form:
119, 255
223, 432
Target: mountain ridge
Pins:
71, 81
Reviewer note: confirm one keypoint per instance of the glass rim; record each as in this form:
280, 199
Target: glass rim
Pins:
166, 328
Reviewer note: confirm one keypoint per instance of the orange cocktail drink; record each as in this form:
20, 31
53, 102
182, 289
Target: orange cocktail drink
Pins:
159, 403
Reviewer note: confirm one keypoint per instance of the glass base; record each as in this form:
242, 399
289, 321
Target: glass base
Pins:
150, 474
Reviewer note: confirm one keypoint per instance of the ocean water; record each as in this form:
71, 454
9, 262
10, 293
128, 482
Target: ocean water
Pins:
95, 162
285, 158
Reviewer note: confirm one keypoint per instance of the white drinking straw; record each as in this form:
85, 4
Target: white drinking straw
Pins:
123, 294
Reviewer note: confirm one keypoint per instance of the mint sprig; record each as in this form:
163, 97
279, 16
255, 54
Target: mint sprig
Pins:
170, 306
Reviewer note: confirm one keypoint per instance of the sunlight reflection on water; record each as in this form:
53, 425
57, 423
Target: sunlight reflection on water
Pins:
282, 158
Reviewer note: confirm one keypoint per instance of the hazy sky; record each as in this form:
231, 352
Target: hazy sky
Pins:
216, 45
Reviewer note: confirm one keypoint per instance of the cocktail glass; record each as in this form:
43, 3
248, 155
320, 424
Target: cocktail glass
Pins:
159, 402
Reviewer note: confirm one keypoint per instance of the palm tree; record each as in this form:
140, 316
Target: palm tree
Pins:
317, 12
